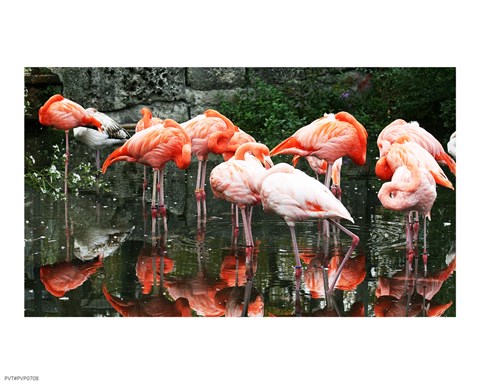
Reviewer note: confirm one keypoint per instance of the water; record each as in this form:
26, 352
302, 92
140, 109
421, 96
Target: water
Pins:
105, 256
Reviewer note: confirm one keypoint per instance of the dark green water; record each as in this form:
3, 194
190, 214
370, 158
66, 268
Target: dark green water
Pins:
114, 259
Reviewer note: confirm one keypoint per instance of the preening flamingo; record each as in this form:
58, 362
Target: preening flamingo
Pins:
452, 144
417, 134
404, 151
146, 121
113, 134
64, 114
237, 180
328, 138
155, 147
239, 137
209, 132
296, 196
414, 174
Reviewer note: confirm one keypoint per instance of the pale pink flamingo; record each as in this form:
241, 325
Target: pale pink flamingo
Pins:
237, 180
295, 196
319, 166
404, 151
414, 174
452, 144
209, 132
239, 137
113, 134
417, 134
145, 122
155, 147
64, 114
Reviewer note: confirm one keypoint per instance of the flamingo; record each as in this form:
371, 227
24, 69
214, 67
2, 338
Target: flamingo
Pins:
113, 134
329, 138
419, 135
412, 188
452, 144
412, 162
155, 147
64, 114
404, 151
236, 180
240, 137
209, 132
145, 122
296, 196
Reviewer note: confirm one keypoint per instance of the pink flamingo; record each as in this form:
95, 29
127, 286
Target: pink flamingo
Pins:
405, 152
145, 122
296, 196
209, 132
413, 185
417, 134
64, 114
328, 138
155, 147
319, 166
236, 180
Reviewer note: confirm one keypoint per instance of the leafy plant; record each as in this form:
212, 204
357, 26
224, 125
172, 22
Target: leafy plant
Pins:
50, 179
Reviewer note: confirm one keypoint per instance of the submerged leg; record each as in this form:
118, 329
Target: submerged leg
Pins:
67, 155
246, 228
298, 266
355, 240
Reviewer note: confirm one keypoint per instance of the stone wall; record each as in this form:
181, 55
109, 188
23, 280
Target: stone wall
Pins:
177, 93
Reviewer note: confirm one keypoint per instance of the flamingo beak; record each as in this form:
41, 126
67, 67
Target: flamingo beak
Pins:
268, 162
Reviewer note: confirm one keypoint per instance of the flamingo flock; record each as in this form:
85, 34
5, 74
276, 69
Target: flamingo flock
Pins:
409, 158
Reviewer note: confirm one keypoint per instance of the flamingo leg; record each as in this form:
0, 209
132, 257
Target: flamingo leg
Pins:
203, 194
67, 155
246, 228
355, 240
198, 191
154, 190
249, 284
163, 210
425, 254
235, 225
298, 266
144, 181
409, 239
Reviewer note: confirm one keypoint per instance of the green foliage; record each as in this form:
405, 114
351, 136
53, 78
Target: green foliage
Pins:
375, 96
50, 179
265, 112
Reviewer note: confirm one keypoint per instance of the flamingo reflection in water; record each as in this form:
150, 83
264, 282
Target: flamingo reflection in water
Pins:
405, 295
152, 264
238, 270
62, 277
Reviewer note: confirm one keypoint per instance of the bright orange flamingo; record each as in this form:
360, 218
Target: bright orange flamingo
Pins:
209, 132
328, 138
240, 137
155, 147
417, 134
146, 121
295, 196
237, 180
65, 276
64, 114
